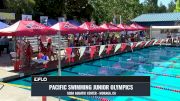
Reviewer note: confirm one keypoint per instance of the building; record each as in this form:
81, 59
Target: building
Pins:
158, 19
158, 23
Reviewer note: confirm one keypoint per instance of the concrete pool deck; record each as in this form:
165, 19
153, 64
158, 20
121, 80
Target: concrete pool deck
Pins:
5, 75
10, 93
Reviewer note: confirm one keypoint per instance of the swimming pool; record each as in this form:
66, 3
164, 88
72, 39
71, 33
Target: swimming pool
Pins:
162, 64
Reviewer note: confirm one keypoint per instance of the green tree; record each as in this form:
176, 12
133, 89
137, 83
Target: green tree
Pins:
150, 6
171, 6
104, 10
78, 8
177, 9
162, 8
20, 7
51, 8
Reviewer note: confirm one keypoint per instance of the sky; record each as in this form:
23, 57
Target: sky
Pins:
164, 2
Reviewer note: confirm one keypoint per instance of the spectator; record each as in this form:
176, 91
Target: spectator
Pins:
28, 53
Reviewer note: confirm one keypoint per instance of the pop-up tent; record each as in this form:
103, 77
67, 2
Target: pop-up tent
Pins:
3, 25
27, 28
68, 28
137, 26
126, 27
91, 27
111, 27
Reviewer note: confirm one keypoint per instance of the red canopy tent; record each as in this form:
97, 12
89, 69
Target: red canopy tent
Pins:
111, 27
27, 28
126, 27
68, 28
137, 26
91, 27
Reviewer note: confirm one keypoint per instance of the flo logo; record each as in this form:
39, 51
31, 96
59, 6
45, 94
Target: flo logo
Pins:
33, 26
112, 26
68, 26
40, 78
93, 26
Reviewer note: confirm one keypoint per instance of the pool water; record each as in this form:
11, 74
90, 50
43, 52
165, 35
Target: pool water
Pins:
162, 64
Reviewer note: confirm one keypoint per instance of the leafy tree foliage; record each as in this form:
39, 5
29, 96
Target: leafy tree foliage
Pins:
99, 10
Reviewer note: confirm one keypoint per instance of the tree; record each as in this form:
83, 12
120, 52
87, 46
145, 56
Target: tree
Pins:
177, 6
162, 8
104, 10
171, 6
150, 6
78, 8
51, 8
20, 7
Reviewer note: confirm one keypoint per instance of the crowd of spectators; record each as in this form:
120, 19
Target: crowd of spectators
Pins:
103, 38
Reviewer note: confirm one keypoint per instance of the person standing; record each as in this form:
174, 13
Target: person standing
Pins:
1, 48
28, 53
6, 44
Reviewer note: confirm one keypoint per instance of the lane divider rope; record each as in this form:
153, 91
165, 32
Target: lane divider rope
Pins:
144, 72
171, 67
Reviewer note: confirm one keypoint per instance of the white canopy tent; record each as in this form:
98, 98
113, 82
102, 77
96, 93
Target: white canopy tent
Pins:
155, 31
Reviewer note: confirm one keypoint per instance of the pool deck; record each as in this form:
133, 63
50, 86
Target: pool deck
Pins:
10, 93
5, 75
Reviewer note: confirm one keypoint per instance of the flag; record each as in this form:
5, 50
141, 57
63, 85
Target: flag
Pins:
117, 47
101, 49
81, 51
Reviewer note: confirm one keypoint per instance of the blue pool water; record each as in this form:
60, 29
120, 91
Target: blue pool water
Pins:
162, 64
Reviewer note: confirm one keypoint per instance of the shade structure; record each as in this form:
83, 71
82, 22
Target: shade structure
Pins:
27, 28
91, 27
3, 25
68, 28
126, 27
137, 26
111, 27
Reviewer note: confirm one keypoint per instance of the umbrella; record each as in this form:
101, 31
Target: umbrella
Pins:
137, 26
91, 27
111, 27
68, 28
126, 27
27, 28
3, 25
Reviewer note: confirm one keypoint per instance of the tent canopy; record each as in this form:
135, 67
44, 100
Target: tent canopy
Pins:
111, 27
165, 27
126, 27
68, 28
27, 28
91, 27
3, 25
137, 26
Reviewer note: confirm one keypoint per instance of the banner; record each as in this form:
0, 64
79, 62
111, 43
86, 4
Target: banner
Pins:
92, 51
90, 86
81, 51
117, 47
147, 43
155, 42
43, 20
7, 16
61, 19
109, 49
138, 44
70, 58
101, 49
26, 17
123, 47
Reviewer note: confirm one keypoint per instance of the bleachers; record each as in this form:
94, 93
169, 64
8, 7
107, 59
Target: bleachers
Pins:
34, 42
